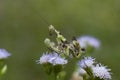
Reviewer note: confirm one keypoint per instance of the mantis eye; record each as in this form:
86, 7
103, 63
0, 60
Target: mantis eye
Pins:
83, 49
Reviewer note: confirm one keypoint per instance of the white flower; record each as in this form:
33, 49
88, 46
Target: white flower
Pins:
88, 41
57, 60
81, 71
86, 62
52, 58
4, 54
101, 71
44, 58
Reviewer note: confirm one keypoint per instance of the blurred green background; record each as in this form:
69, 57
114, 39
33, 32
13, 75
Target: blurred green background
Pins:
24, 26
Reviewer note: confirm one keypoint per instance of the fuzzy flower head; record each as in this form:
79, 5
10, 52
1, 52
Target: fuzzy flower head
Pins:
4, 54
101, 72
57, 60
89, 41
52, 58
44, 58
86, 62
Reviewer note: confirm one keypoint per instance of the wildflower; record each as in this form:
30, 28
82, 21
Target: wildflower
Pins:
101, 72
89, 41
86, 62
57, 60
52, 58
4, 54
44, 58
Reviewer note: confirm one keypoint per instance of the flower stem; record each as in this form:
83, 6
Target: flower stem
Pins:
49, 77
55, 77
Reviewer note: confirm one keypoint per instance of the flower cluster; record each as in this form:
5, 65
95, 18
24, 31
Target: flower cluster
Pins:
52, 58
88, 66
52, 62
86, 41
101, 71
4, 54
86, 62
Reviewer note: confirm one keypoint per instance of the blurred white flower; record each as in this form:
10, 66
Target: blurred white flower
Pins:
57, 60
44, 58
52, 58
86, 62
4, 54
88, 41
101, 71
81, 71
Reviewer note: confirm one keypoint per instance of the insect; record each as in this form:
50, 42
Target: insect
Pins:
63, 46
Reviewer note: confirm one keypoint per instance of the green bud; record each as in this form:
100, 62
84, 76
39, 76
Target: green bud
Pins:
3, 70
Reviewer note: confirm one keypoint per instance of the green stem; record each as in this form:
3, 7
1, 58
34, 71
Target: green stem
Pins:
55, 77
49, 77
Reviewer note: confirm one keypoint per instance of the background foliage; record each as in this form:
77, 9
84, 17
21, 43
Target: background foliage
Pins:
24, 26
